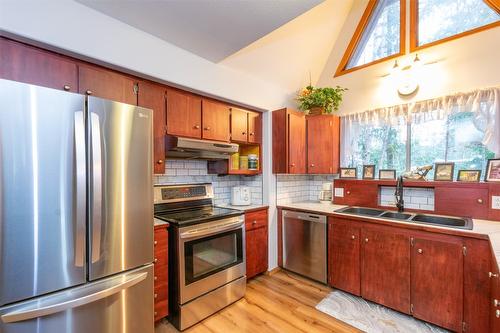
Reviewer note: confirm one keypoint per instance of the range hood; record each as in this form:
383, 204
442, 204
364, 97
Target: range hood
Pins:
185, 148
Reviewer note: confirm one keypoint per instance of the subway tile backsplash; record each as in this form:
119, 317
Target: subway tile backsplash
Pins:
299, 188
414, 198
189, 172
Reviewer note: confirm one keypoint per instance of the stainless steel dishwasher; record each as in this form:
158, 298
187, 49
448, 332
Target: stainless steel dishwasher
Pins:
304, 244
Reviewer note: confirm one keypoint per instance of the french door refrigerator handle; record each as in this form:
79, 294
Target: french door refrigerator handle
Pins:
70, 302
81, 174
96, 186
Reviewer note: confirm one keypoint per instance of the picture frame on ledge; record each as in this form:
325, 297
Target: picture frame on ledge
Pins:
369, 171
493, 170
348, 173
387, 174
469, 176
444, 171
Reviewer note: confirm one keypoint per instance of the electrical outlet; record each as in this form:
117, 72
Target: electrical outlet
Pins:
339, 192
495, 202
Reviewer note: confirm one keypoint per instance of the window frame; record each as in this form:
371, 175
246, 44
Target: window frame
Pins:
414, 27
356, 38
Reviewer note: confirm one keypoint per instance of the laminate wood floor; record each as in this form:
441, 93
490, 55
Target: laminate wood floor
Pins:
282, 302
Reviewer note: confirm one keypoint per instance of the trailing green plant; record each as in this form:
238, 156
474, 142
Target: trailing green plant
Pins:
327, 98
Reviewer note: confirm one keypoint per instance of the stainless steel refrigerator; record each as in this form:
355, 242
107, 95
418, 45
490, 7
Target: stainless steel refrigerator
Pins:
76, 213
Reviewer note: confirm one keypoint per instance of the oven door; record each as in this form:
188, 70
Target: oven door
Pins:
210, 255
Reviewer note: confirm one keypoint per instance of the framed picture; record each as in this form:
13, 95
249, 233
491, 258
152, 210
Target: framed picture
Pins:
348, 173
469, 175
444, 171
493, 170
369, 171
387, 174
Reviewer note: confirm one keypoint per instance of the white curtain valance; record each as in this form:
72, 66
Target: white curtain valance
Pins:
483, 103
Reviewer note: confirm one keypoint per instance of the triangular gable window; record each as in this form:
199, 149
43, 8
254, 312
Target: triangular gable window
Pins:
435, 21
379, 35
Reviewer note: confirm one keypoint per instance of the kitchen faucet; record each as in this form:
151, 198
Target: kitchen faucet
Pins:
400, 203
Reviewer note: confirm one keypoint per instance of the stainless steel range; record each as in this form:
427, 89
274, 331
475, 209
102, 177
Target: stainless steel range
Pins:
206, 252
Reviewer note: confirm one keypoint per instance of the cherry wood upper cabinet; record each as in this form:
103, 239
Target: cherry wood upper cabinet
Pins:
289, 141
19, 62
256, 242
344, 255
254, 127
183, 114
385, 268
437, 282
216, 121
152, 96
100, 82
323, 144
239, 125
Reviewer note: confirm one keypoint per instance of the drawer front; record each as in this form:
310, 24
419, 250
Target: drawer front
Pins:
161, 239
161, 309
256, 219
161, 273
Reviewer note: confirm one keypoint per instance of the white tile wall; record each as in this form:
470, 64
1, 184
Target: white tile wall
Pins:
414, 198
189, 172
298, 188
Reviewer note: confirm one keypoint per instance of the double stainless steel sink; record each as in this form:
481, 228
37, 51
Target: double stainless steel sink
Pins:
445, 221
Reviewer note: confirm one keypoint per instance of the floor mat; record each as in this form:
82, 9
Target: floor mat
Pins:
371, 317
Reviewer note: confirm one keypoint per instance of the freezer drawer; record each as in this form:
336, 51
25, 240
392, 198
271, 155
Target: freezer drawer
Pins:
304, 244
42, 191
120, 304
121, 187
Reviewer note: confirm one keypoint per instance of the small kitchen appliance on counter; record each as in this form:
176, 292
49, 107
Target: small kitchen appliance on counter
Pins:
325, 195
207, 266
240, 196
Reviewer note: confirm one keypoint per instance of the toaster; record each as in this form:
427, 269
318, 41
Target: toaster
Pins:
240, 196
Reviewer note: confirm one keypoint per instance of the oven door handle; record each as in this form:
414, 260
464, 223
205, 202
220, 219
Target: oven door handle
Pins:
197, 233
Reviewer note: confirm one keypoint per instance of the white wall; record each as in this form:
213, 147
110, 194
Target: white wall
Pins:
464, 64
70, 26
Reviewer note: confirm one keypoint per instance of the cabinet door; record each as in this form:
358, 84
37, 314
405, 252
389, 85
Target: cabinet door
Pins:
254, 127
322, 144
152, 96
19, 62
183, 114
296, 143
437, 282
344, 256
161, 272
239, 125
385, 268
215, 121
106, 84
462, 201
256, 251
495, 295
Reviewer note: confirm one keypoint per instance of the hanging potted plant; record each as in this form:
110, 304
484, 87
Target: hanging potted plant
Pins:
318, 101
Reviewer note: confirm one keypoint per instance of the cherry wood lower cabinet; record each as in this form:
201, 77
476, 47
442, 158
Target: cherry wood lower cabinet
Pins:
344, 255
161, 271
256, 234
385, 267
152, 96
437, 269
438, 278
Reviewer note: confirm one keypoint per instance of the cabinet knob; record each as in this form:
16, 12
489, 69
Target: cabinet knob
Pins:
156, 242
156, 278
66, 87
496, 302
156, 313
196, 126
292, 165
156, 295
492, 275
159, 162
353, 237
366, 240
480, 201
312, 165
156, 260
207, 128
252, 133
254, 222
89, 92
243, 133
420, 251
348, 192
497, 313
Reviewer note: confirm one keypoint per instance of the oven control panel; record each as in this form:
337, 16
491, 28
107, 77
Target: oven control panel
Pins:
175, 193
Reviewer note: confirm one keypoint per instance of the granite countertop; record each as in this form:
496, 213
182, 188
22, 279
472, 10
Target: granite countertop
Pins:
490, 229
245, 208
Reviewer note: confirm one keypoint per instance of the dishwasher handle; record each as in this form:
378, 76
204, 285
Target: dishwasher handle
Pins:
304, 216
